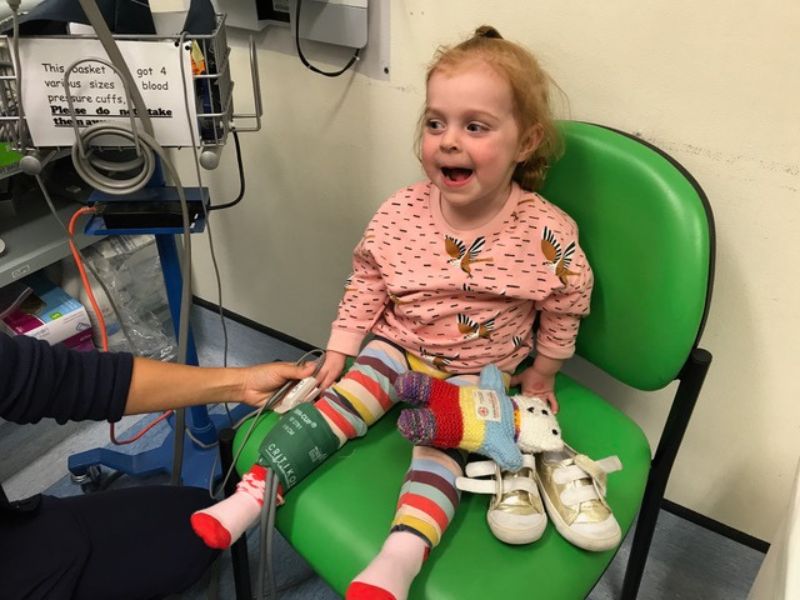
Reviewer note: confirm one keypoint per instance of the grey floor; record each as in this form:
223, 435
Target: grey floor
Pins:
685, 561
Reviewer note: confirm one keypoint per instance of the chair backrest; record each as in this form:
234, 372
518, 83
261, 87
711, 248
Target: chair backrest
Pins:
648, 233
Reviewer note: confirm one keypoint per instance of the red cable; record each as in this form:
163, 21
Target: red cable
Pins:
114, 440
84, 279
101, 322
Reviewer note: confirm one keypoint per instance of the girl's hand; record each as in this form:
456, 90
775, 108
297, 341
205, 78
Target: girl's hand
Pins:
331, 369
534, 383
261, 381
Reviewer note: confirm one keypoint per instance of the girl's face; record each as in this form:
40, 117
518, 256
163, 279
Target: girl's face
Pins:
471, 142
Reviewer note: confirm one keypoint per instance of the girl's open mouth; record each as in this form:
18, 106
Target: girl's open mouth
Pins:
456, 175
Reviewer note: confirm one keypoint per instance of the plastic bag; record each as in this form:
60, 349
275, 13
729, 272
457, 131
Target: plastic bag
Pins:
131, 270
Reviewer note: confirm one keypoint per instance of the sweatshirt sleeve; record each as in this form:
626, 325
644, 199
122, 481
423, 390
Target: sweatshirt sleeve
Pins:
38, 380
561, 312
364, 298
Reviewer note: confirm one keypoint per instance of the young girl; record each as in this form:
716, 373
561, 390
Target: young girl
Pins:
450, 276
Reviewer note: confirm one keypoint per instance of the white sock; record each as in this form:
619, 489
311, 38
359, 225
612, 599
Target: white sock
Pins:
223, 523
396, 565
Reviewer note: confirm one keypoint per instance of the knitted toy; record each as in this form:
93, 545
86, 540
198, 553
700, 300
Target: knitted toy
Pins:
480, 419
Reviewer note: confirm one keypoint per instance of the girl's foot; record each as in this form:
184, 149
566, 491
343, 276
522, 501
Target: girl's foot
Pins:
390, 574
223, 523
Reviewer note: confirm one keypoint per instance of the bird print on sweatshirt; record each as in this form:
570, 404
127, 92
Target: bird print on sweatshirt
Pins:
557, 260
439, 361
518, 342
397, 300
472, 329
462, 257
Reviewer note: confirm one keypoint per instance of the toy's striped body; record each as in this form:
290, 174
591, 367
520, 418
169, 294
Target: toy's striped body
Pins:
470, 418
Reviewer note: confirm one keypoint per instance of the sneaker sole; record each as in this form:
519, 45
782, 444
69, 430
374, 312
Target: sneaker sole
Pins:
575, 538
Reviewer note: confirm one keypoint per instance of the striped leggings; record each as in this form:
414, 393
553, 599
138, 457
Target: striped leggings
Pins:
428, 497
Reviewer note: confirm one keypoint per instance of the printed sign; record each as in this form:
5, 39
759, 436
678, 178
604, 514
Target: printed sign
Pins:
97, 91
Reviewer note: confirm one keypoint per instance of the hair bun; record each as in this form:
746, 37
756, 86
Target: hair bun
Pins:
488, 31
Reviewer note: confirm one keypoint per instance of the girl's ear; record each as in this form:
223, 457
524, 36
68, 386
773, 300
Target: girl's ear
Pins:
530, 142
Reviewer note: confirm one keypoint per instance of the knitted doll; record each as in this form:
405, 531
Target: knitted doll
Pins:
481, 419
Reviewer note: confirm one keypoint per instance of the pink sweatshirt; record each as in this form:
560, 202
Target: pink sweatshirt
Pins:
463, 299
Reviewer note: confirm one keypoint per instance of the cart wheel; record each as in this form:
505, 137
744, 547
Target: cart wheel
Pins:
90, 481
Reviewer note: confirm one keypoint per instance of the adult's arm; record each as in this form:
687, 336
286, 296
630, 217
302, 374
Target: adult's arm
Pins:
159, 386
38, 381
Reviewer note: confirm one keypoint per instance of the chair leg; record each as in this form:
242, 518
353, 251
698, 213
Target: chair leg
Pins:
691, 380
643, 536
239, 556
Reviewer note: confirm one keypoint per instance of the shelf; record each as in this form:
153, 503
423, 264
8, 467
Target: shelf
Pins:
33, 237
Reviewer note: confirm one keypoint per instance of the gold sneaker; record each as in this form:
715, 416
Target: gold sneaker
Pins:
573, 487
516, 514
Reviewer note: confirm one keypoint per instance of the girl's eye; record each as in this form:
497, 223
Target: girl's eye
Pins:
433, 124
475, 128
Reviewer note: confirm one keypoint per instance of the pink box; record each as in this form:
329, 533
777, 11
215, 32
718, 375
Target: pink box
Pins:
50, 314
81, 341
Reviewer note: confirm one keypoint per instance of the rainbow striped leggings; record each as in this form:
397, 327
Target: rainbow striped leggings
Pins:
428, 496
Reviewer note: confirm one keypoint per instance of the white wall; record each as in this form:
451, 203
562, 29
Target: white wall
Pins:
714, 83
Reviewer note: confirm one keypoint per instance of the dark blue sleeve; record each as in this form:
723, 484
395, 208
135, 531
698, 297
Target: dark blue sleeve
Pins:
38, 380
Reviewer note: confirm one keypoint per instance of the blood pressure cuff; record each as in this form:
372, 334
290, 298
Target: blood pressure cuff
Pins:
300, 441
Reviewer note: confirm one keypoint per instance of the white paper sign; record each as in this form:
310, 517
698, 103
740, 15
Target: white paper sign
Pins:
97, 91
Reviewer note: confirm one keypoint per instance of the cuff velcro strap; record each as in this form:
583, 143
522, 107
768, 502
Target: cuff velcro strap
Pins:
300, 441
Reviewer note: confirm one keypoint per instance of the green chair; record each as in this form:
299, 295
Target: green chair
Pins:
648, 233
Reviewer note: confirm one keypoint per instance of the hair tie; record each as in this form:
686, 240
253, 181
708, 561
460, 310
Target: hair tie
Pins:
487, 31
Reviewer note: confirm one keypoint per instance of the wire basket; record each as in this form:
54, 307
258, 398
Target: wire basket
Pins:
211, 90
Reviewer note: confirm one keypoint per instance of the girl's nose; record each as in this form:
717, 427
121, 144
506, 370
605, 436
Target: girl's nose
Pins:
449, 141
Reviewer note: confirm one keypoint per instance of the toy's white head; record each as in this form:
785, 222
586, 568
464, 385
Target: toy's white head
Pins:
539, 430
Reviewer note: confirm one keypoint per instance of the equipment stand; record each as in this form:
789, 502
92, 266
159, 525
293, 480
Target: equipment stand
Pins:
197, 460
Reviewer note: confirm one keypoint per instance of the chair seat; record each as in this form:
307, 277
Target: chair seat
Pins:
338, 517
